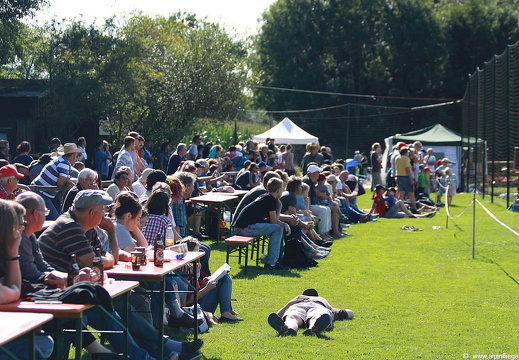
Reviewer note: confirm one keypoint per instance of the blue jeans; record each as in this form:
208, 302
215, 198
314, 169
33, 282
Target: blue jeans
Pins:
275, 232
219, 295
43, 346
145, 335
204, 260
49, 203
99, 322
157, 306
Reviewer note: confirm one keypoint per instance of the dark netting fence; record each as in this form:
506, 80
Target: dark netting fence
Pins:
490, 111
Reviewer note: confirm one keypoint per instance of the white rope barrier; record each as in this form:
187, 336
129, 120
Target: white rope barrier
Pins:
447, 206
496, 219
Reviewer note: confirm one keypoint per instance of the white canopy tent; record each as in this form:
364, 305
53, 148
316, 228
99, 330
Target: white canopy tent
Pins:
286, 132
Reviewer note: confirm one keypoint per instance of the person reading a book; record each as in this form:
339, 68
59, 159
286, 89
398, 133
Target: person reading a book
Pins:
214, 290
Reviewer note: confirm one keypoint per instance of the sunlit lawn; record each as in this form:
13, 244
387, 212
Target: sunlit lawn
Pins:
416, 295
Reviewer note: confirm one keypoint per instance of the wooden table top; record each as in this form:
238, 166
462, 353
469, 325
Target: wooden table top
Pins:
123, 270
235, 193
211, 198
16, 324
72, 311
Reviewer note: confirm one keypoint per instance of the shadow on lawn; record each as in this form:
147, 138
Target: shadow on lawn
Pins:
254, 271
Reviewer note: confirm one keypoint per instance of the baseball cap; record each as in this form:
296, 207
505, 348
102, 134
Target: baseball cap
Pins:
88, 198
380, 187
10, 170
401, 144
262, 164
313, 168
331, 178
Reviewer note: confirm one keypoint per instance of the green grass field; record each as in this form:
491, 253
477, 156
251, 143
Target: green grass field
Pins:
416, 295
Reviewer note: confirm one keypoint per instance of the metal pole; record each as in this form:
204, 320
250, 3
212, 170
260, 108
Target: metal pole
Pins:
508, 127
474, 224
475, 150
494, 130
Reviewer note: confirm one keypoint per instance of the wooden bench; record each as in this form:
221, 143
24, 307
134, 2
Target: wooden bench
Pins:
240, 244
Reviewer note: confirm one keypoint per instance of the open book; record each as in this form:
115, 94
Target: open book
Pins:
218, 274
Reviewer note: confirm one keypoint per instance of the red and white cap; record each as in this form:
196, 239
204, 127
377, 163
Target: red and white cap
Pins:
10, 170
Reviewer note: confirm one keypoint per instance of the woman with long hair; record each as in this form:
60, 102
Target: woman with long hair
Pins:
128, 212
12, 223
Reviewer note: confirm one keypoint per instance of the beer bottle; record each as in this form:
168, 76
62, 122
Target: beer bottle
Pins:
158, 253
73, 270
98, 265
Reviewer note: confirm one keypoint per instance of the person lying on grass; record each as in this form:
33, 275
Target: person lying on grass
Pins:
390, 207
309, 311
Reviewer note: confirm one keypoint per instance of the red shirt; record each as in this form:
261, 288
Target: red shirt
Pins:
5, 196
380, 206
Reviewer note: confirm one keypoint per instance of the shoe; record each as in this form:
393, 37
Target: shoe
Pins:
277, 324
290, 332
190, 356
430, 215
308, 332
192, 346
278, 266
201, 237
185, 320
323, 243
224, 319
321, 324
106, 356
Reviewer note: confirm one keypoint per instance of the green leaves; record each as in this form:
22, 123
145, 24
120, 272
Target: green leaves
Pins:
154, 75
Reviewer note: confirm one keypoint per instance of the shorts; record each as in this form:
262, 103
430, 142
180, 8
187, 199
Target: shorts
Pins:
404, 184
308, 310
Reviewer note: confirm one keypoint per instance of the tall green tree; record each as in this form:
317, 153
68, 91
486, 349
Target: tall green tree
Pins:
11, 12
474, 31
153, 75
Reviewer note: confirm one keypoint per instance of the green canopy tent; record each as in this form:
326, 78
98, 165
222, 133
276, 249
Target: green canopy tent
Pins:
444, 142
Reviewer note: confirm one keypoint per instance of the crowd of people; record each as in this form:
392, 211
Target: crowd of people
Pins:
301, 215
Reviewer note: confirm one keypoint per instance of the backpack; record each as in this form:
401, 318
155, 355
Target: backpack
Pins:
84, 292
294, 254
203, 327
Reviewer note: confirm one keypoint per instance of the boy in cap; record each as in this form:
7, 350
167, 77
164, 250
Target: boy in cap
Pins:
309, 311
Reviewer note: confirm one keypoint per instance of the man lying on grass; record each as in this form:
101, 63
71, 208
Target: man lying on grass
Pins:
309, 311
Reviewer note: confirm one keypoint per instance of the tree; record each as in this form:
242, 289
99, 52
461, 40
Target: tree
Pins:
475, 31
153, 75
13, 10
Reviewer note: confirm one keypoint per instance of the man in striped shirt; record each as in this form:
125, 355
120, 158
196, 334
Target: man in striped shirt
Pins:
57, 173
73, 232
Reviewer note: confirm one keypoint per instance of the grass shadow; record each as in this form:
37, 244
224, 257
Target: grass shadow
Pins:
256, 271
